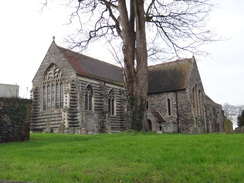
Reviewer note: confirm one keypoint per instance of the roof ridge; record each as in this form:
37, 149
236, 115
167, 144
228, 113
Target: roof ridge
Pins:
165, 63
95, 59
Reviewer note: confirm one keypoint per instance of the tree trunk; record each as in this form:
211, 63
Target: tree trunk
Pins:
135, 59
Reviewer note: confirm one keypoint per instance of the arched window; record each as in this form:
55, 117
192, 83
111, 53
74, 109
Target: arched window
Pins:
194, 98
88, 98
111, 102
52, 91
199, 102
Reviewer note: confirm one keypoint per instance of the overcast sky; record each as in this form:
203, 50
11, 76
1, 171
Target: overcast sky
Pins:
26, 35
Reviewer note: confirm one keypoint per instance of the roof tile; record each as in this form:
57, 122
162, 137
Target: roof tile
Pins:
88, 66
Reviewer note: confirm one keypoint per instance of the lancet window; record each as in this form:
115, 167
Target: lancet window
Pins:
197, 101
169, 106
53, 89
111, 102
88, 98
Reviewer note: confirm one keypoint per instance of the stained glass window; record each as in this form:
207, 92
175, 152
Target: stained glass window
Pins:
53, 90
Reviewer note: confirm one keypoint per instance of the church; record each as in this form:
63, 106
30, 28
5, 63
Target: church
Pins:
74, 93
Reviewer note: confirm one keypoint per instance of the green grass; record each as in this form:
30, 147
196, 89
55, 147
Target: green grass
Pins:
124, 157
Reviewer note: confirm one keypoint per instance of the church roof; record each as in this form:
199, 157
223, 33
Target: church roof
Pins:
165, 77
170, 76
88, 66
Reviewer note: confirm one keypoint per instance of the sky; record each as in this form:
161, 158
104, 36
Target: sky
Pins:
26, 33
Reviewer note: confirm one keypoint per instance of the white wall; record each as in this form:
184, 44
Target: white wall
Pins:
7, 90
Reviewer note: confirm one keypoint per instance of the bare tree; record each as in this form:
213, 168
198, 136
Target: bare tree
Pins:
240, 108
232, 111
145, 27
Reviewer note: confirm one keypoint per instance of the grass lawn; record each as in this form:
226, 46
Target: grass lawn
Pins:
124, 157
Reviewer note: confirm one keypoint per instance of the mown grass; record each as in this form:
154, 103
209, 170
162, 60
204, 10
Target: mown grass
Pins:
124, 157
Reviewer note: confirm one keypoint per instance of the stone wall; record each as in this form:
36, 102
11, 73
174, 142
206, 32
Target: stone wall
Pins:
181, 116
99, 120
214, 116
185, 112
165, 105
15, 118
55, 117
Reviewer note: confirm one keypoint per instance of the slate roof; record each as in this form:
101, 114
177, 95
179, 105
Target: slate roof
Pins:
88, 66
170, 76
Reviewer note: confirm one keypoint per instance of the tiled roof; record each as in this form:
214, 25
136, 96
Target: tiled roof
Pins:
165, 77
158, 116
88, 66
170, 76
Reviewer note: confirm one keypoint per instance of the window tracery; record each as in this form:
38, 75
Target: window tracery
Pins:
111, 102
53, 88
88, 98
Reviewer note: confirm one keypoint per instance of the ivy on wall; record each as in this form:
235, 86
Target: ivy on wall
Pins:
15, 117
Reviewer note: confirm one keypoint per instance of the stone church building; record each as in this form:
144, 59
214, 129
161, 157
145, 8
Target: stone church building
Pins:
74, 93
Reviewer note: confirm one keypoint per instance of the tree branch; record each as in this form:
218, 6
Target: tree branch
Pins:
109, 4
117, 25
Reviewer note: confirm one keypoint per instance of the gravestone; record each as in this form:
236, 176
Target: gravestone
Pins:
239, 130
48, 129
228, 126
61, 128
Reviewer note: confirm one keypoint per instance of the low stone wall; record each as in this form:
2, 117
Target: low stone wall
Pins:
15, 118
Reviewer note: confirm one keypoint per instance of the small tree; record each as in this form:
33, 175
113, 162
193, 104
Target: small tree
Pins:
240, 119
